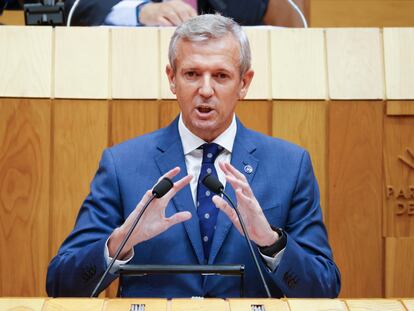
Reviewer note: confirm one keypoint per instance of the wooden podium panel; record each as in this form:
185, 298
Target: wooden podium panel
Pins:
135, 65
305, 123
399, 267
398, 188
355, 66
24, 195
80, 133
374, 305
131, 118
408, 303
260, 48
399, 62
355, 196
74, 304
199, 305
298, 64
246, 304
125, 304
316, 305
21, 304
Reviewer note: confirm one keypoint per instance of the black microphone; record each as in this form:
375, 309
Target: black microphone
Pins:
159, 190
214, 185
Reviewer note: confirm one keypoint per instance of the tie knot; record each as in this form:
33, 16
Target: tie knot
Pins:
210, 152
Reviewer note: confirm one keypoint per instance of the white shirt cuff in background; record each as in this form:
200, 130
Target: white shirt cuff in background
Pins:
117, 263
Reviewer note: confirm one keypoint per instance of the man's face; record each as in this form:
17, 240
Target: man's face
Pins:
207, 84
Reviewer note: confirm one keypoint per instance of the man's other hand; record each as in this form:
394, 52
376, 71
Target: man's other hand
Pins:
169, 13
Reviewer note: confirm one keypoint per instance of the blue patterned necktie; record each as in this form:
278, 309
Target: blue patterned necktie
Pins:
206, 210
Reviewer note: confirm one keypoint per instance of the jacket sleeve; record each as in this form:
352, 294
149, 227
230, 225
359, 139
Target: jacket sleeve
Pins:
80, 261
89, 12
307, 268
245, 12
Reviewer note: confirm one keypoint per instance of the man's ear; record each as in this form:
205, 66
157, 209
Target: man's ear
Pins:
245, 83
171, 77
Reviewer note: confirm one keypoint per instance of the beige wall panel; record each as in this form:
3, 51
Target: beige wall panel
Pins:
246, 304
199, 305
72, 304
256, 115
165, 36
355, 196
131, 118
80, 133
24, 196
135, 62
169, 110
305, 123
316, 304
400, 108
398, 188
259, 45
399, 62
374, 305
25, 61
298, 64
125, 304
15, 304
399, 267
81, 62
362, 13
355, 69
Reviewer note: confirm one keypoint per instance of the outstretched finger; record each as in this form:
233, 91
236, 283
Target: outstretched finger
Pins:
178, 185
178, 218
220, 203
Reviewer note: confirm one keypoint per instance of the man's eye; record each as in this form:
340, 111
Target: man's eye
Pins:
190, 74
222, 76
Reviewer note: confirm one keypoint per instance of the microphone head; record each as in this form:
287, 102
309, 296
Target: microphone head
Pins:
162, 187
213, 184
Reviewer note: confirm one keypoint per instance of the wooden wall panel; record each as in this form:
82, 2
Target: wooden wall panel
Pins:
400, 108
298, 64
169, 110
80, 133
399, 62
260, 49
130, 118
256, 115
305, 123
135, 72
25, 61
82, 62
355, 179
165, 36
24, 196
355, 64
362, 13
399, 267
398, 187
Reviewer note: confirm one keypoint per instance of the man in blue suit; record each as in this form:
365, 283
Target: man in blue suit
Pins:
271, 180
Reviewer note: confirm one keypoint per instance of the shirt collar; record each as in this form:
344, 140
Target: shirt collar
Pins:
191, 141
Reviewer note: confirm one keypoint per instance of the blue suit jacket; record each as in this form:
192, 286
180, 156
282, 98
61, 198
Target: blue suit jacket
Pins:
283, 182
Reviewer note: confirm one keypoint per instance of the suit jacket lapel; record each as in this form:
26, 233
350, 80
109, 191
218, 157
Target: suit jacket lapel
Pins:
243, 160
172, 155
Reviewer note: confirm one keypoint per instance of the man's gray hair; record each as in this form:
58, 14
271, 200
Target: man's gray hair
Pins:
211, 26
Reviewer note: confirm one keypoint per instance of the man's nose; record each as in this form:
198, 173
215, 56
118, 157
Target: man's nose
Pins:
206, 89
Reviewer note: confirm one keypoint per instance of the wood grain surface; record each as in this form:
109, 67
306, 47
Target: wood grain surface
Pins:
374, 305
316, 305
355, 196
24, 195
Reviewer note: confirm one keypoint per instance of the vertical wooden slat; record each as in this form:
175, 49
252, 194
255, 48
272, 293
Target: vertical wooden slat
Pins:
169, 110
355, 64
81, 62
355, 179
399, 267
25, 61
165, 36
131, 118
298, 64
24, 196
305, 123
80, 133
399, 62
256, 115
260, 50
135, 66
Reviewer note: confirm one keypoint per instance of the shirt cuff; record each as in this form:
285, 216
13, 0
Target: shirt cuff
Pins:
117, 263
273, 262
124, 13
